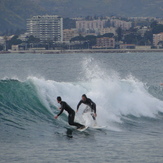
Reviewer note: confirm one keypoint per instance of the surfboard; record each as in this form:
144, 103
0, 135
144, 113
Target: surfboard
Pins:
99, 127
82, 129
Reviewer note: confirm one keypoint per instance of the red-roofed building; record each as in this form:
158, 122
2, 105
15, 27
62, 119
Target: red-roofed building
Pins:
105, 43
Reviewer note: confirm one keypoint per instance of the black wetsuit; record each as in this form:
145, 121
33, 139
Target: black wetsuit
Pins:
90, 103
71, 112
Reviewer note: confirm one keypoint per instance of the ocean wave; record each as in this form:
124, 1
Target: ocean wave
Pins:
23, 103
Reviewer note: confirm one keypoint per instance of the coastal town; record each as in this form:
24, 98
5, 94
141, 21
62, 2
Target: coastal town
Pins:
54, 34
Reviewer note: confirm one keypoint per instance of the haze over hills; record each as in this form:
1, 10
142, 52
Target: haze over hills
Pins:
13, 14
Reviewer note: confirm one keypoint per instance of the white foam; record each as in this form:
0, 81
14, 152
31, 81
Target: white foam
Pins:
113, 96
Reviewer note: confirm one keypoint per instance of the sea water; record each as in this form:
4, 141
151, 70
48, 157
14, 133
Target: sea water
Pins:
127, 92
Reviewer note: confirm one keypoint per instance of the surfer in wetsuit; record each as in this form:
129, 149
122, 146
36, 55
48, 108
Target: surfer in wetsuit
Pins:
71, 112
90, 103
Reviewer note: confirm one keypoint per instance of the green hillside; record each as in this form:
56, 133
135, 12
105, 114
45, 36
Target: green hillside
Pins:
13, 13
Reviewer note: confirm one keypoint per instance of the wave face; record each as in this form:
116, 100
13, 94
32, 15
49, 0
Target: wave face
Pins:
33, 101
20, 106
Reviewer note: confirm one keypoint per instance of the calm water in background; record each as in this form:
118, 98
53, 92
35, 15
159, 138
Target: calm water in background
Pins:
126, 88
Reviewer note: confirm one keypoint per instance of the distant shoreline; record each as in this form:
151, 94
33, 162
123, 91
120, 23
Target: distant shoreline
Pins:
84, 51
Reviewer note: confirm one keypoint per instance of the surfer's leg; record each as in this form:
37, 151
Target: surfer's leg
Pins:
71, 121
93, 114
94, 118
93, 110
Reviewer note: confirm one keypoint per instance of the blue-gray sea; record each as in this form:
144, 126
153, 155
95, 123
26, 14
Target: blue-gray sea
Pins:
126, 88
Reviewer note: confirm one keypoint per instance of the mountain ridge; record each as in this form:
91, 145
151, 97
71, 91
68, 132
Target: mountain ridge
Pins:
13, 14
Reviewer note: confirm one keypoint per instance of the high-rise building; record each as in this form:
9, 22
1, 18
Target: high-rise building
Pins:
46, 27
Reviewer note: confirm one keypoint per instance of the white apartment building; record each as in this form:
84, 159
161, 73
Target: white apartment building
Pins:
120, 23
23, 37
157, 38
108, 30
46, 27
90, 25
2, 40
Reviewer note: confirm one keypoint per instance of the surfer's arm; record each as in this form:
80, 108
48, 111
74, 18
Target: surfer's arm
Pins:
78, 105
60, 112
93, 106
61, 108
